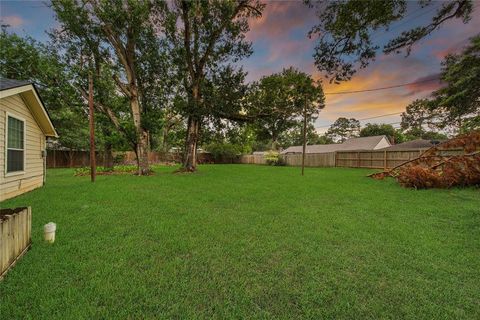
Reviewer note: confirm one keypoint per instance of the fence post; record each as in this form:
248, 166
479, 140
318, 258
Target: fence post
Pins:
385, 160
335, 154
358, 159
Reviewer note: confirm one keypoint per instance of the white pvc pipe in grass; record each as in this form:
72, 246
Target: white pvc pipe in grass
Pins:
49, 232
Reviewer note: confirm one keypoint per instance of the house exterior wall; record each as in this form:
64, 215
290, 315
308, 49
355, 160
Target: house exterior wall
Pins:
33, 174
382, 144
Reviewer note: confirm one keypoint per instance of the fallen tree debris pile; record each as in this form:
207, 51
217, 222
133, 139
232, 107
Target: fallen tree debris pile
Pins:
455, 162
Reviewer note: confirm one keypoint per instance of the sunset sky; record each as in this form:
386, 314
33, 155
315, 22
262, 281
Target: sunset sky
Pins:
280, 40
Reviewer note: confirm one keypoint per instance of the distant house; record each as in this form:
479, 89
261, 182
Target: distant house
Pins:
24, 126
414, 144
363, 143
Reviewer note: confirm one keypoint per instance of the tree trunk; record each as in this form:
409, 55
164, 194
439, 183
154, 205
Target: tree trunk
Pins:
108, 157
190, 156
142, 153
165, 138
70, 157
142, 136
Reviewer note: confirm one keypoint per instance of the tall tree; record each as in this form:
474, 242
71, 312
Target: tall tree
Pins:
459, 100
279, 101
115, 33
27, 59
373, 129
206, 37
347, 30
456, 106
343, 129
294, 136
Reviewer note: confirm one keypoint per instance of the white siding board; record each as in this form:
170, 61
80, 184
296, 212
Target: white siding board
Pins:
35, 142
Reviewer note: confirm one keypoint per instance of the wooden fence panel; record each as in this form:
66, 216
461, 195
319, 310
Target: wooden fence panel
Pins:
375, 159
77, 159
252, 159
71, 159
311, 159
15, 236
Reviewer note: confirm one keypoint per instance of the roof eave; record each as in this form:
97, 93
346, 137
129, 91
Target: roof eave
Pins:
33, 102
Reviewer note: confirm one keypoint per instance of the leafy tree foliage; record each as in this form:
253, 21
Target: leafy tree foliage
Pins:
347, 31
119, 34
456, 106
280, 100
459, 100
420, 133
206, 38
394, 135
294, 136
27, 59
343, 129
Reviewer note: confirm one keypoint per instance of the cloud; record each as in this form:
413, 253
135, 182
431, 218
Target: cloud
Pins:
14, 21
280, 40
425, 84
278, 19
448, 48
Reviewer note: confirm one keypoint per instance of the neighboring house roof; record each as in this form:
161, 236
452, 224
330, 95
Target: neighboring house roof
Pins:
9, 83
414, 144
363, 143
30, 96
259, 153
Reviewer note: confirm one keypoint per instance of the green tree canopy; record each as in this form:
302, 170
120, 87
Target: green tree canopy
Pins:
343, 129
278, 102
394, 135
27, 59
348, 30
207, 38
122, 35
456, 106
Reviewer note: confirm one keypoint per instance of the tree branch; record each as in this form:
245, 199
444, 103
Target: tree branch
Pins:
123, 87
187, 38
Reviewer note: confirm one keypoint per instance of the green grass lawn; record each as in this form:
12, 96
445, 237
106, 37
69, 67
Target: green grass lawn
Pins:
240, 241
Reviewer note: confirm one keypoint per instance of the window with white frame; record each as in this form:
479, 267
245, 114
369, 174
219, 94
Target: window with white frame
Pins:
15, 144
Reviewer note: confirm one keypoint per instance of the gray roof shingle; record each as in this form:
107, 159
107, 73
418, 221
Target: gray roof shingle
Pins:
363, 143
414, 144
10, 84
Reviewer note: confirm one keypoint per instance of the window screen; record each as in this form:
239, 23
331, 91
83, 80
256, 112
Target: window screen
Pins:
15, 147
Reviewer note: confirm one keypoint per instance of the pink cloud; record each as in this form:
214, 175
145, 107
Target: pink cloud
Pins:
13, 21
278, 19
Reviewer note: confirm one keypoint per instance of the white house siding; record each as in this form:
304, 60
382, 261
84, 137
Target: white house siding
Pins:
382, 144
11, 186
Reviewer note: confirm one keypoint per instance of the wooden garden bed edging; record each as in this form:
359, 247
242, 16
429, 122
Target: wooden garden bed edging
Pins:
15, 236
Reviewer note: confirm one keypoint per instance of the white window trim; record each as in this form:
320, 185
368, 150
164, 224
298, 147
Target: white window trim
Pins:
15, 173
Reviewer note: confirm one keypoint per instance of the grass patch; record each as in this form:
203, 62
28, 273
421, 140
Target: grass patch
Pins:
121, 169
242, 241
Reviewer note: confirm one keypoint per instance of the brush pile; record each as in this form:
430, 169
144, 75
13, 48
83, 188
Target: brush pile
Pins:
455, 162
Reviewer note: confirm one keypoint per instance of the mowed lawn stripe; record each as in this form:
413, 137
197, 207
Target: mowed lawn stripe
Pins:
243, 241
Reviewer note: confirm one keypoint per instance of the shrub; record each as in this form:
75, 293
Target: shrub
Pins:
272, 158
224, 152
119, 158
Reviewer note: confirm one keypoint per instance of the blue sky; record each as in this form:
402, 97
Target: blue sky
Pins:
280, 40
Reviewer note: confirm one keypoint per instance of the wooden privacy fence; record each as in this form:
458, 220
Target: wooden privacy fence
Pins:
252, 159
77, 159
373, 159
130, 157
311, 159
70, 159
15, 236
